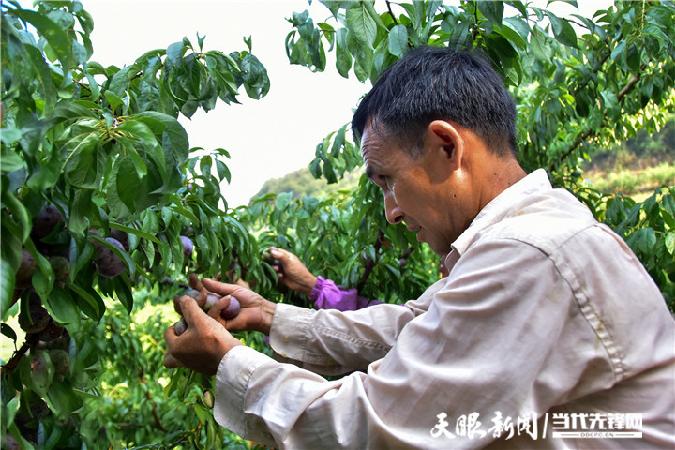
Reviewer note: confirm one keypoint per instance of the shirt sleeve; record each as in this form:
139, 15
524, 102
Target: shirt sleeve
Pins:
492, 340
332, 342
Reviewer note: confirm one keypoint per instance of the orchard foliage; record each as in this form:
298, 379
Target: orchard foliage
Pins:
100, 195
580, 83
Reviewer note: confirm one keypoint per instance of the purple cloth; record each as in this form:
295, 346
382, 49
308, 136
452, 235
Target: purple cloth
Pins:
327, 295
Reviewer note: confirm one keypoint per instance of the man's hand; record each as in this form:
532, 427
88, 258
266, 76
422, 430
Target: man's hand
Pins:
202, 345
255, 314
292, 272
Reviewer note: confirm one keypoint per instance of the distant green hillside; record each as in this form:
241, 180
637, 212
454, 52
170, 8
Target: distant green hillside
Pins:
301, 182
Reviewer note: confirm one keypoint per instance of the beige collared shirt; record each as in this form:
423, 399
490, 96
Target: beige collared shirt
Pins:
545, 314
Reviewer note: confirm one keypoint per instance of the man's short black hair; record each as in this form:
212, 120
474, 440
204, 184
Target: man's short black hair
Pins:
431, 83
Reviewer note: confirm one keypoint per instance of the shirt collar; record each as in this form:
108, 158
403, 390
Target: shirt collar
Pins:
497, 209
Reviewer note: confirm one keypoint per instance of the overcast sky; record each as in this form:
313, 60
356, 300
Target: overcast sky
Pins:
267, 138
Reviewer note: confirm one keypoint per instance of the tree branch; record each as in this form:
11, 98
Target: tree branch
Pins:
581, 137
391, 13
17, 355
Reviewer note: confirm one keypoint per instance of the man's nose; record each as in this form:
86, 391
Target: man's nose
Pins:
391, 210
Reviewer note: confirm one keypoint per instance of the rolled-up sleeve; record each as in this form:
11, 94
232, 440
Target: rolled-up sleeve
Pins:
490, 341
331, 342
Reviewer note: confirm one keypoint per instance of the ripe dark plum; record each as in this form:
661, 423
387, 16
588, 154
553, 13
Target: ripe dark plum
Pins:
180, 327
46, 220
232, 309
211, 300
108, 263
188, 246
26, 269
122, 237
36, 319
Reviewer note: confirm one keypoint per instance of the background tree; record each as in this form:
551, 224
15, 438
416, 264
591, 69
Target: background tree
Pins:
576, 90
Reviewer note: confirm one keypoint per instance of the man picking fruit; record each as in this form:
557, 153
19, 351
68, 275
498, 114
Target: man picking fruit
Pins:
546, 325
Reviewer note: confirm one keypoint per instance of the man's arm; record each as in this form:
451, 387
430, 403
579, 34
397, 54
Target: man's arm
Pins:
332, 342
329, 342
502, 335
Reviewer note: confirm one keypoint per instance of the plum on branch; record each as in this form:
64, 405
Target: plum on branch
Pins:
46, 220
108, 263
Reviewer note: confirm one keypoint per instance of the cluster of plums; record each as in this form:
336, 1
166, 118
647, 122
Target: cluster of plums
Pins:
228, 313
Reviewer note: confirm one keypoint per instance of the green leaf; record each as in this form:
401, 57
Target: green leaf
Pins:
633, 58
130, 188
562, 30
343, 55
80, 211
130, 230
511, 35
57, 38
8, 331
62, 307
361, 24
113, 100
493, 10
9, 136
398, 40
12, 407
19, 213
92, 304
174, 54
670, 242
223, 171
81, 164
171, 133
43, 278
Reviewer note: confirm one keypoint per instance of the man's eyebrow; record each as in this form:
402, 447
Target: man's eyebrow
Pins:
370, 172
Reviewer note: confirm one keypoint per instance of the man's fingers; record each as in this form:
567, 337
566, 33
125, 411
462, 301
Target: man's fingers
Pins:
195, 283
191, 310
221, 304
171, 362
170, 337
282, 255
219, 288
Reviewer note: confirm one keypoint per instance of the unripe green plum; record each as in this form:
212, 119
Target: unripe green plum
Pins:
61, 267
61, 362
208, 399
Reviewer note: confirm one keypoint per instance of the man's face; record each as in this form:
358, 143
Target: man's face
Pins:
415, 192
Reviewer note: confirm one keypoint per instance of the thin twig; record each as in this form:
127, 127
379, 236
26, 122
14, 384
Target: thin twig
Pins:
391, 13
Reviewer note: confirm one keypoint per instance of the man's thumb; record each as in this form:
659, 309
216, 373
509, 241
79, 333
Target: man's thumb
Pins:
279, 254
190, 310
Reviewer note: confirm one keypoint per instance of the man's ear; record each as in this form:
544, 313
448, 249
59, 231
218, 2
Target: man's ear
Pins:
445, 144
